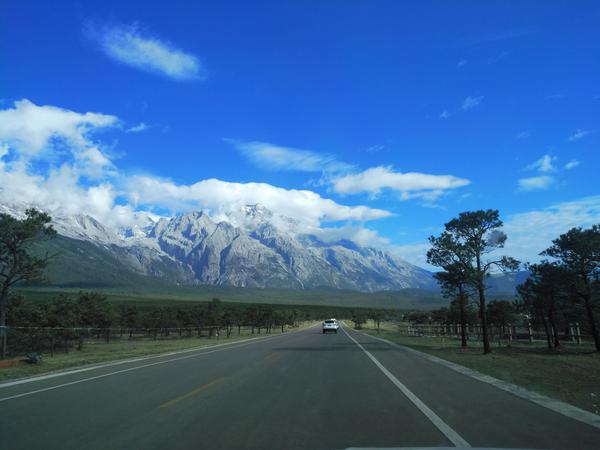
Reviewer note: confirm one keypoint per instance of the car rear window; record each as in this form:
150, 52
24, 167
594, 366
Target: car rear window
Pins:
329, 321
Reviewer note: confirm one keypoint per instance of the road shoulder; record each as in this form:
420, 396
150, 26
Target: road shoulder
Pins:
558, 406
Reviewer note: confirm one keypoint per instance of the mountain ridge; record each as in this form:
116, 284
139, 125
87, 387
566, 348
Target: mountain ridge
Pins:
252, 247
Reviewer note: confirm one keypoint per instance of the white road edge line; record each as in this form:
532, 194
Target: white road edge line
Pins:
104, 375
87, 368
119, 362
573, 412
452, 435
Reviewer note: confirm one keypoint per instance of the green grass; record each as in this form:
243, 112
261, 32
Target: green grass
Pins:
571, 374
95, 352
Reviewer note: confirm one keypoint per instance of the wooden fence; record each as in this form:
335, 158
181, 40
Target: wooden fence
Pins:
508, 333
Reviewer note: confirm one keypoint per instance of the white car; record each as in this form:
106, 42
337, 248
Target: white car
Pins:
330, 325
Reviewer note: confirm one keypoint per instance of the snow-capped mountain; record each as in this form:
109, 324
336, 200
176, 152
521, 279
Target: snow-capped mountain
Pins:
252, 247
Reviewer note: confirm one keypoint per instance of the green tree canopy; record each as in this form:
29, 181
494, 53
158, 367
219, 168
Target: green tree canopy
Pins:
578, 252
17, 263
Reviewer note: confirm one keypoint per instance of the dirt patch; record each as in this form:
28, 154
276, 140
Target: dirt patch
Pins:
4, 363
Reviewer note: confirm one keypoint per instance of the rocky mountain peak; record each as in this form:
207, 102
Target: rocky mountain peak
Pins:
252, 247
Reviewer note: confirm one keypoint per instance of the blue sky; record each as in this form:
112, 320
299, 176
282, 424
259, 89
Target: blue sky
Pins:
393, 117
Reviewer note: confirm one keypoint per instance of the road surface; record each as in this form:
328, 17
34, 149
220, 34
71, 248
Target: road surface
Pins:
301, 390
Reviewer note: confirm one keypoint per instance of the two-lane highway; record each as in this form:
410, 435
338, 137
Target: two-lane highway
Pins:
302, 390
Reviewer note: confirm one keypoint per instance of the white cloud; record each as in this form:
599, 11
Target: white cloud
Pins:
360, 235
497, 36
83, 180
579, 134
572, 164
532, 232
557, 96
276, 157
415, 253
409, 184
4, 149
536, 183
61, 192
544, 165
222, 196
529, 233
467, 104
32, 128
375, 148
138, 128
523, 135
496, 58
471, 102
128, 45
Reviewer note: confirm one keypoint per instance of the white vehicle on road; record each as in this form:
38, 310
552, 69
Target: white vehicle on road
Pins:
330, 325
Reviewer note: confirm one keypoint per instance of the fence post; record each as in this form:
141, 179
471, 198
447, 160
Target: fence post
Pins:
509, 334
572, 332
578, 333
530, 331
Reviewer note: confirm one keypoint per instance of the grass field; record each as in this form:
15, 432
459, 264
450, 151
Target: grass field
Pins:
571, 374
95, 352
406, 299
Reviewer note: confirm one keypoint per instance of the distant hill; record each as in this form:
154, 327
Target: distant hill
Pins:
253, 247
505, 284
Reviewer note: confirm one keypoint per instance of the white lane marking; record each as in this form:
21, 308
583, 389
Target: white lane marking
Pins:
452, 435
83, 380
131, 360
557, 406
118, 363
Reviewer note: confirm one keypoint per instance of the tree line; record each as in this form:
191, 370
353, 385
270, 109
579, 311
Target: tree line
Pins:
465, 252
557, 290
66, 321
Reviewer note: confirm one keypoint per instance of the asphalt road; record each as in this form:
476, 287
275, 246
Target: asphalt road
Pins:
302, 390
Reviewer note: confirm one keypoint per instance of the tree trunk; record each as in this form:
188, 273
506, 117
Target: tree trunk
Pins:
553, 327
463, 316
3, 312
482, 315
590, 313
547, 330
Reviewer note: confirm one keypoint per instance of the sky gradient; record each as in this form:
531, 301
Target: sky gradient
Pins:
378, 121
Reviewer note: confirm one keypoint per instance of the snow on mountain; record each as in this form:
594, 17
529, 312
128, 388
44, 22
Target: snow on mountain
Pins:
86, 228
249, 247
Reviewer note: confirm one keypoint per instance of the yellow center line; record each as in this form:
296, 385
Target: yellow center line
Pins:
192, 392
